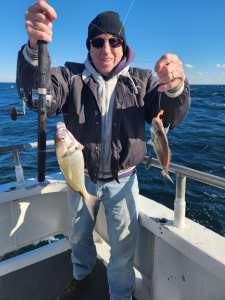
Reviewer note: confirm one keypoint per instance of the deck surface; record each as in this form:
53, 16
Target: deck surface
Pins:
47, 279
98, 288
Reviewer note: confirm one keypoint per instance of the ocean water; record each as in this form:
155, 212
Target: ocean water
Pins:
198, 143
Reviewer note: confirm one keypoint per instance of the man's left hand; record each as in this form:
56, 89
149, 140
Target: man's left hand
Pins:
169, 69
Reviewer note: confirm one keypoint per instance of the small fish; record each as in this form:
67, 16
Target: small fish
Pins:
160, 144
71, 161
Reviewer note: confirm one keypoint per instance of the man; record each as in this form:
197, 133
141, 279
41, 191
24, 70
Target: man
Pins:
105, 104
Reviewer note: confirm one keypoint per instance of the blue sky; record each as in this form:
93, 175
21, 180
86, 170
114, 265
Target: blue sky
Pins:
194, 30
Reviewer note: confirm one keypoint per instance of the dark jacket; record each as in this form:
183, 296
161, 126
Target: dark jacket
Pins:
76, 98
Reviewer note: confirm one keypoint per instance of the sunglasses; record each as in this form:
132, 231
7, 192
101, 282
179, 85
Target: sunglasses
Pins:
113, 42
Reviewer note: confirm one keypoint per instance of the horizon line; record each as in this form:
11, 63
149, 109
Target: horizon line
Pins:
14, 82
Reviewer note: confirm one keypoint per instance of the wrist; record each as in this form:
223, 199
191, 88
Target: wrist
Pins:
32, 44
176, 91
30, 55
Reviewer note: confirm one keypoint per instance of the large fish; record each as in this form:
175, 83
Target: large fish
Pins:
71, 161
160, 143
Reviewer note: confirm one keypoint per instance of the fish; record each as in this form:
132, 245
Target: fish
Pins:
160, 144
71, 162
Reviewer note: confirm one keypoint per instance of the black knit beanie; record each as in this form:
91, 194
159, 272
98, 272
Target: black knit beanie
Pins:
106, 22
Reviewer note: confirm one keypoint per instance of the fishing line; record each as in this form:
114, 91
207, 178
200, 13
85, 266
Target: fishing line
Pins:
124, 21
127, 14
160, 97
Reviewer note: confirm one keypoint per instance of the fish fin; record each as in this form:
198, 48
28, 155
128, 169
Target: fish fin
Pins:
90, 201
167, 128
165, 174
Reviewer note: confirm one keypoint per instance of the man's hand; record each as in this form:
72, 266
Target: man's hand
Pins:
169, 69
39, 18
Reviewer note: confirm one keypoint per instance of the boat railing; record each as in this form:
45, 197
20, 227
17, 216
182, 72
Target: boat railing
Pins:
181, 173
15, 150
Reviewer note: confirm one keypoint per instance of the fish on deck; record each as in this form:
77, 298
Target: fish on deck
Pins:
160, 144
71, 162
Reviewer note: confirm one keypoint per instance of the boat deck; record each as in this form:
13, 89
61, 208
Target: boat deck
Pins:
172, 261
47, 279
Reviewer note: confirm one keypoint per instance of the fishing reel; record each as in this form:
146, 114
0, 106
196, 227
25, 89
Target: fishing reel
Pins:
15, 113
28, 100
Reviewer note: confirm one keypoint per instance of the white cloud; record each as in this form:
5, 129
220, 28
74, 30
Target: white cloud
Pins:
8, 78
220, 65
189, 66
200, 77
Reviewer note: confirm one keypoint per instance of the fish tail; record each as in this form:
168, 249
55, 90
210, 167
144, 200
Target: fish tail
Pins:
166, 174
90, 201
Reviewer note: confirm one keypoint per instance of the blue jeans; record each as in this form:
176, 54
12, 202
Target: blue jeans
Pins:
122, 219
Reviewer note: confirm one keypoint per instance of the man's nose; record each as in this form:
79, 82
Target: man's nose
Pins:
106, 47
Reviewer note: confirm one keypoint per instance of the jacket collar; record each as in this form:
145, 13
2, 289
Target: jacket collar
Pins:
121, 69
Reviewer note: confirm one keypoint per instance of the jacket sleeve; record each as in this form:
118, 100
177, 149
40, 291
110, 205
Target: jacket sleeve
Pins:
175, 109
27, 82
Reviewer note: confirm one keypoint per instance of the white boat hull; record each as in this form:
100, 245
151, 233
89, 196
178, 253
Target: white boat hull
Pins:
171, 263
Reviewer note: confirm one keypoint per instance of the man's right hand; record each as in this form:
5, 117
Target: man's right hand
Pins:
39, 18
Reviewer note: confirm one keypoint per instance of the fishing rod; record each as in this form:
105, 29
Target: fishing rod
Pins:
43, 73
38, 105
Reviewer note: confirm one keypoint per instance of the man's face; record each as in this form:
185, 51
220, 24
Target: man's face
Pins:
106, 54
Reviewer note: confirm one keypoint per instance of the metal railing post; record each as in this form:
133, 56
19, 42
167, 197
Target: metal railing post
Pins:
179, 203
18, 170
